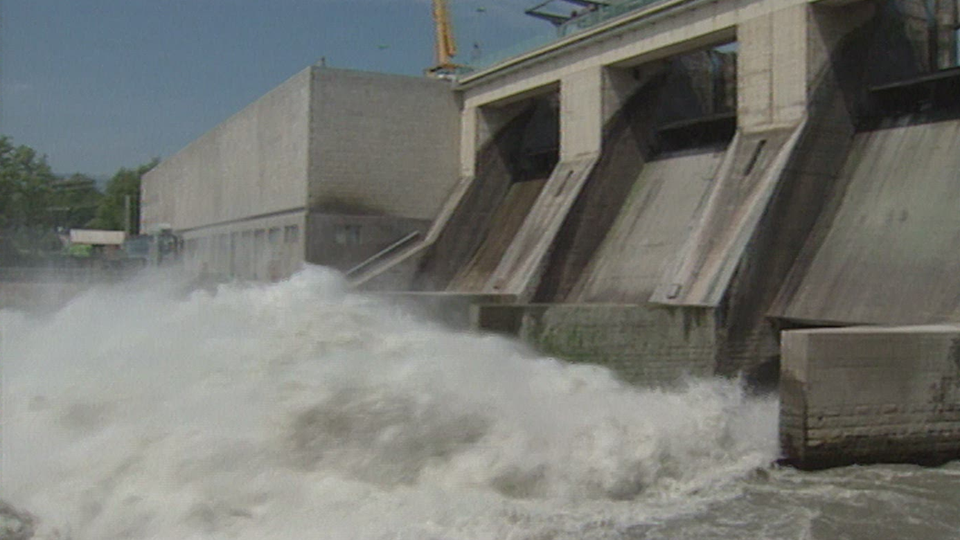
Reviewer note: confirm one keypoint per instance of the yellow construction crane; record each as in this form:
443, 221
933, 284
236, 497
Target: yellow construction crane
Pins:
446, 46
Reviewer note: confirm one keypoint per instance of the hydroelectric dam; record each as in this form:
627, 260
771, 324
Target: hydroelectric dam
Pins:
684, 188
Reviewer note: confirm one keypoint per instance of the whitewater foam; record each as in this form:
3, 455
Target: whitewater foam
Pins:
301, 410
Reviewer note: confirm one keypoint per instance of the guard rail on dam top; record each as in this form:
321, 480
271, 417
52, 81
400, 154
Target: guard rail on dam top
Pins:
586, 21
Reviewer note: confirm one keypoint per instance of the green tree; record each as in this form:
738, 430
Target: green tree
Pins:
74, 201
26, 186
25, 195
112, 212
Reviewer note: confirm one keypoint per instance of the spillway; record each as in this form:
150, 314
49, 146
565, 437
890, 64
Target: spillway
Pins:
889, 251
650, 228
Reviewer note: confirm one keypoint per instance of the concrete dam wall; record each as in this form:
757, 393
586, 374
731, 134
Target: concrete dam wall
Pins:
890, 253
664, 194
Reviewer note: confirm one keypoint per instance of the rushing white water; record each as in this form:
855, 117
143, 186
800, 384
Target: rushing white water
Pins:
300, 410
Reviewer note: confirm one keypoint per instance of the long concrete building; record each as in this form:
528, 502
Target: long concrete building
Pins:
664, 190
329, 167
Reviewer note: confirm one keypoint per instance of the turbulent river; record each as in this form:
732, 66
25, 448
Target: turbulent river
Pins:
300, 410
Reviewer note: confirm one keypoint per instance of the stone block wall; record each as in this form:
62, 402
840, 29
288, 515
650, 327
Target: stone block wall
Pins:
870, 394
645, 345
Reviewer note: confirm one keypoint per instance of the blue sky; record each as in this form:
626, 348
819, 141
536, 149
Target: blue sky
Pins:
101, 84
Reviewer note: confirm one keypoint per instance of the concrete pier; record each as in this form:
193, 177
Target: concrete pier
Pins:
870, 394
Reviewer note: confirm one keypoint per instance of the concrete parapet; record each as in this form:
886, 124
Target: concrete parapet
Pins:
870, 394
645, 345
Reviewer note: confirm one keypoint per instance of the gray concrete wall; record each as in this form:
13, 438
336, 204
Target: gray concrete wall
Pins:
524, 261
345, 241
651, 228
382, 144
838, 39
252, 164
470, 216
374, 147
865, 395
890, 252
644, 345
266, 249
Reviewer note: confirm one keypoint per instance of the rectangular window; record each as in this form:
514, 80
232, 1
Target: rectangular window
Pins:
347, 235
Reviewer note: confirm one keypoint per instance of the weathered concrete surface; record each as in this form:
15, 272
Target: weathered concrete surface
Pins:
325, 142
260, 248
891, 253
630, 139
506, 221
342, 241
645, 345
463, 223
650, 229
399, 271
520, 269
863, 395
252, 164
373, 136
747, 179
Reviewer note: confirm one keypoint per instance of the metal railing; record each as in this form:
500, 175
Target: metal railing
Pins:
382, 253
579, 24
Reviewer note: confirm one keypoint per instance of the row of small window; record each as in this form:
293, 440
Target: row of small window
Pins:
291, 235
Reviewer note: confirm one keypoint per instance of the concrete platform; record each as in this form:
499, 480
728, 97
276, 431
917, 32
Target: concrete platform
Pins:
869, 395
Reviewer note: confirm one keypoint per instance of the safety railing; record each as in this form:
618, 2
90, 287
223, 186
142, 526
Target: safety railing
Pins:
582, 22
382, 253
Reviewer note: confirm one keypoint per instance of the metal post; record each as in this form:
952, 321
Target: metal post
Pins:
126, 214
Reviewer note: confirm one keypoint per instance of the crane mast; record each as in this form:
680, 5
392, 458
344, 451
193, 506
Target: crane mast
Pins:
446, 46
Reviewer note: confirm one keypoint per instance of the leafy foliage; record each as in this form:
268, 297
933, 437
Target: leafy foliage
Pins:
26, 186
74, 202
35, 204
112, 212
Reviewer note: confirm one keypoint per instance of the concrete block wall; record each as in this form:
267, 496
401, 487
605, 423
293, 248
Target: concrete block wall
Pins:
254, 163
870, 394
381, 144
644, 345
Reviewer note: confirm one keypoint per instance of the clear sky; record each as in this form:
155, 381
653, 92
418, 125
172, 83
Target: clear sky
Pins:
101, 84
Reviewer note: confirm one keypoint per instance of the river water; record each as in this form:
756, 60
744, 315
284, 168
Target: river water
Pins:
300, 411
